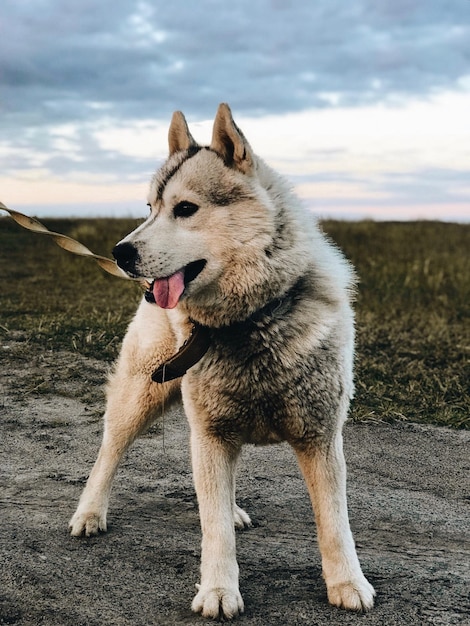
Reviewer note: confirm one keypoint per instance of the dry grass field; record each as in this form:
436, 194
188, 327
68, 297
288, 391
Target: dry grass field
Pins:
413, 308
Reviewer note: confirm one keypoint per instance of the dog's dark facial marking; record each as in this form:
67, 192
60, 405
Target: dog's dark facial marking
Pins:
224, 195
167, 172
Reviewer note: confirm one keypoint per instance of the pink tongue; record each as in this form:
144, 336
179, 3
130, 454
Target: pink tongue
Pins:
167, 291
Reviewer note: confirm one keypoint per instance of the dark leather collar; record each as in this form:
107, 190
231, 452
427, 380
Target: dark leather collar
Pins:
196, 346
192, 351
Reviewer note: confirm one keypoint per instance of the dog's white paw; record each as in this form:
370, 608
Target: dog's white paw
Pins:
356, 595
241, 519
218, 602
87, 523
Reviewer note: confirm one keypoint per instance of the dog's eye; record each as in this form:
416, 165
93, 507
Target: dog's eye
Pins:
185, 209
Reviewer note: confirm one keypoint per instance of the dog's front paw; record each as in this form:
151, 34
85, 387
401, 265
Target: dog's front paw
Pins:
87, 523
356, 595
218, 602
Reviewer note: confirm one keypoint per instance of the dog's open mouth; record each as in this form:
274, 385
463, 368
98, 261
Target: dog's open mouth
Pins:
166, 292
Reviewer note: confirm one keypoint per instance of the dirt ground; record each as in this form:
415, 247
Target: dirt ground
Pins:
409, 501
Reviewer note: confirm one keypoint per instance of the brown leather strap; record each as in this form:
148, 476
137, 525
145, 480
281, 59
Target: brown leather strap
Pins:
190, 353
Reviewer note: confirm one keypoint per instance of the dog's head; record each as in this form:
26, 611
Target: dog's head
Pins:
212, 226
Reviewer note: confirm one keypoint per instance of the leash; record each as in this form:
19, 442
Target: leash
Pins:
67, 243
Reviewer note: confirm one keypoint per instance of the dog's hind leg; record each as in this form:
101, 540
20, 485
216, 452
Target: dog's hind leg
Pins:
324, 470
241, 519
133, 402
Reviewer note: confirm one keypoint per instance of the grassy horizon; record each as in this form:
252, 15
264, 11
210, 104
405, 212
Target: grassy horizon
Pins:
412, 308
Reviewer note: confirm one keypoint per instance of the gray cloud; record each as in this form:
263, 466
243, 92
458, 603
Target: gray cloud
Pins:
143, 59
65, 61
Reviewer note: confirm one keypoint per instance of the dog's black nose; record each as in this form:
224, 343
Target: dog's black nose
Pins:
126, 256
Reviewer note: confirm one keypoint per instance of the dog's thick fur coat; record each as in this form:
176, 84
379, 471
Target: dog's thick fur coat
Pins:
228, 246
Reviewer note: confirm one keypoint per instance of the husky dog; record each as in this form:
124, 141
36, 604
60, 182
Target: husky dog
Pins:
227, 249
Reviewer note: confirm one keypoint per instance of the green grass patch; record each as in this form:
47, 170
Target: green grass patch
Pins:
413, 313
60, 300
412, 307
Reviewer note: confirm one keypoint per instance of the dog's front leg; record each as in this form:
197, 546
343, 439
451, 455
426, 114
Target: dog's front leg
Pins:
324, 470
214, 475
133, 402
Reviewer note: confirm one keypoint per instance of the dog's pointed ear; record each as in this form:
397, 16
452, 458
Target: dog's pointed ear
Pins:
229, 141
179, 137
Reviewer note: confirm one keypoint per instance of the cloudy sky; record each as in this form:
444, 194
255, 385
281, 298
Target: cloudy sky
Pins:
364, 104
